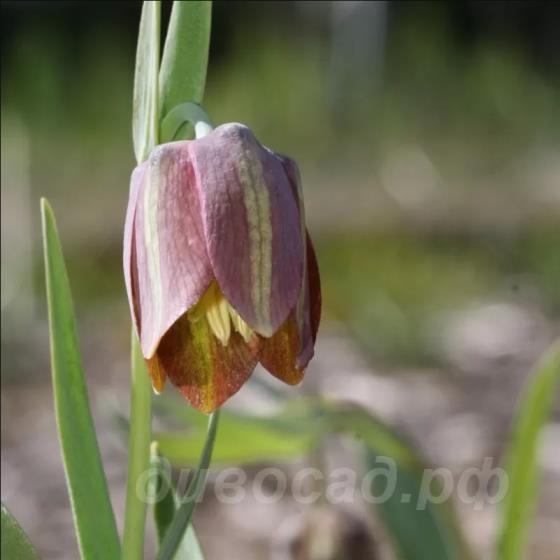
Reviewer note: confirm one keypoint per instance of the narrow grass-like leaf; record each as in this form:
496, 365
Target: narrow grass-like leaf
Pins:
420, 529
522, 467
162, 494
185, 55
145, 107
93, 515
15, 544
166, 503
180, 523
139, 438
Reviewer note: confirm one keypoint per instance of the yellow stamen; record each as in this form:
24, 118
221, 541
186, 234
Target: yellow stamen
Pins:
240, 325
215, 308
218, 318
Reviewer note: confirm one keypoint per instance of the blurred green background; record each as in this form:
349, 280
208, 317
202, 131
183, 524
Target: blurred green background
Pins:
427, 133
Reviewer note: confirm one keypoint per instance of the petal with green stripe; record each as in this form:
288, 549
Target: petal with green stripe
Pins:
171, 269
252, 225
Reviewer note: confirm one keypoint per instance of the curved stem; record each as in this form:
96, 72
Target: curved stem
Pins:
185, 113
194, 491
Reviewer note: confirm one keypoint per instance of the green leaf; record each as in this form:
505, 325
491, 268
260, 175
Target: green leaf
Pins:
185, 55
180, 523
162, 493
145, 135
166, 503
375, 434
241, 439
429, 532
522, 468
139, 438
15, 543
145, 106
89, 497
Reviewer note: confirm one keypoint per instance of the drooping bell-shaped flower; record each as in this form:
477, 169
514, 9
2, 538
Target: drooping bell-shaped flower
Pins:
219, 268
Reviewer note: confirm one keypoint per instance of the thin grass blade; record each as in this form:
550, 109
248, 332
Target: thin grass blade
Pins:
182, 518
166, 502
522, 464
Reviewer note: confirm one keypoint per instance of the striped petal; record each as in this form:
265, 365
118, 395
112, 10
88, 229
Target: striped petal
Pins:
252, 225
172, 267
308, 311
287, 353
206, 371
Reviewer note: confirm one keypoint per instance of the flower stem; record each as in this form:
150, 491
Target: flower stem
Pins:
138, 454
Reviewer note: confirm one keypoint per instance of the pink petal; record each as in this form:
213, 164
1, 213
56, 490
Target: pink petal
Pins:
172, 266
129, 252
308, 311
252, 225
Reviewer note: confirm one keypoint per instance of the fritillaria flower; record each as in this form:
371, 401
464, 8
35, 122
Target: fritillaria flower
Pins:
219, 268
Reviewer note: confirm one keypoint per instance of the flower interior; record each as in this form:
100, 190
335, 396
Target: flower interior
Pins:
215, 308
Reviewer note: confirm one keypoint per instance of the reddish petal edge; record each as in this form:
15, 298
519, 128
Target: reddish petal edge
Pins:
279, 353
206, 372
309, 315
156, 372
308, 310
287, 353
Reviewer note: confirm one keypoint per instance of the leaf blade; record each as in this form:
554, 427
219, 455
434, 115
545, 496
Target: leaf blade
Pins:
15, 543
185, 55
243, 440
182, 517
522, 462
162, 492
93, 515
145, 111
166, 505
420, 533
